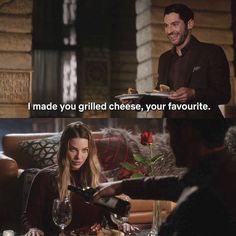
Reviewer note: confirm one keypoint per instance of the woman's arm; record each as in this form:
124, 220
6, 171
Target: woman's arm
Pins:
32, 214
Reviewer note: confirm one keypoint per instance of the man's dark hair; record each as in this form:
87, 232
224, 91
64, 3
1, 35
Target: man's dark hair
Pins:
185, 13
211, 131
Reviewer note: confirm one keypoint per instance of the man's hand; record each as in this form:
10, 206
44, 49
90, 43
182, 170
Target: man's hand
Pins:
182, 94
108, 189
34, 232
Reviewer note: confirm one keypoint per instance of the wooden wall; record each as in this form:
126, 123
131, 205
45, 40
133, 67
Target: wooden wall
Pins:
15, 57
123, 64
107, 54
108, 58
94, 79
212, 25
123, 51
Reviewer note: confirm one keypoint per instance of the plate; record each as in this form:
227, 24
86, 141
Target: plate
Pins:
130, 96
101, 232
140, 95
158, 94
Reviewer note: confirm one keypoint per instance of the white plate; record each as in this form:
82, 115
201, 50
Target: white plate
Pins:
130, 96
158, 94
140, 95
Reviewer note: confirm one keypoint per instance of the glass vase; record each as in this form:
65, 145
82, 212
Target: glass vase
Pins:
155, 219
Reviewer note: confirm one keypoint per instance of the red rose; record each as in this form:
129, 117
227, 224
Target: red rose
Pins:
146, 138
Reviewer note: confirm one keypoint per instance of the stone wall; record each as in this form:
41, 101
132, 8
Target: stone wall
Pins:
15, 57
212, 25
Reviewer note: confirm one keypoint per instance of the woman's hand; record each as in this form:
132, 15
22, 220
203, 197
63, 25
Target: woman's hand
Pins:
128, 228
92, 230
95, 228
34, 232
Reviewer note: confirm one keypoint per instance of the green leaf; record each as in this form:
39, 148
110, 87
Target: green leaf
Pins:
137, 175
148, 162
157, 158
139, 158
128, 166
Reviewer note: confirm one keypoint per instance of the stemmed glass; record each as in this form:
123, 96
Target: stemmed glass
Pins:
120, 220
62, 213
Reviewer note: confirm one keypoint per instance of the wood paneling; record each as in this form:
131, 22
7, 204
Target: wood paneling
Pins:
203, 19
15, 61
123, 71
15, 87
15, 57
13, 111
206, 5
16, 24
15, 42
156, 32
20, 7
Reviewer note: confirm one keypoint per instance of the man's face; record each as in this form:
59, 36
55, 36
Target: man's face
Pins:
176, 29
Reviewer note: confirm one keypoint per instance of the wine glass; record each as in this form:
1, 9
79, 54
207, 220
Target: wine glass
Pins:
120, 220
62, 213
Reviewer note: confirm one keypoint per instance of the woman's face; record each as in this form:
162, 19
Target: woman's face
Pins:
77, 152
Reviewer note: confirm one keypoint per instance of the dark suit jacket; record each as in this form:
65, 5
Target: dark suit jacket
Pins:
207, 73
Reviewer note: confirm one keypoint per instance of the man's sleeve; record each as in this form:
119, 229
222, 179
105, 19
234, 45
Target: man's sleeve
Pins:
218, 89
160, 188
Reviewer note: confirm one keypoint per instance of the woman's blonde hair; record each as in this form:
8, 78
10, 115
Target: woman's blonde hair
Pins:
89, 172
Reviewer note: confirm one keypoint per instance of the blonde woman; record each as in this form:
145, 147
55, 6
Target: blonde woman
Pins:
77, 165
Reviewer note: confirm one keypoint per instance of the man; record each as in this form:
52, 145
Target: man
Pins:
195, 71
205, 195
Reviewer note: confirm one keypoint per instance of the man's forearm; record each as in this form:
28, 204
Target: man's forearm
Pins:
161, 188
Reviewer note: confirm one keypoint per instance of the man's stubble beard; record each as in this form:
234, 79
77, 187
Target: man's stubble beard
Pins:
183, 37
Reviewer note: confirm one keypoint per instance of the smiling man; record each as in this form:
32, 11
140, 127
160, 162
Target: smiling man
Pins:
194, 71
